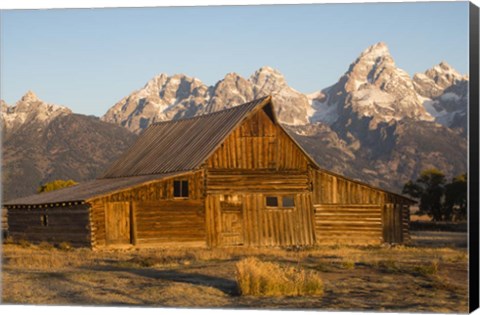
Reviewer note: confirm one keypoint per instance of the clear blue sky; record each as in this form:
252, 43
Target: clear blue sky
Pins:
88, 59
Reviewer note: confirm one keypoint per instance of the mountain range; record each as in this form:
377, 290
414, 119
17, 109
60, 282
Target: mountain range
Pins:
376, 123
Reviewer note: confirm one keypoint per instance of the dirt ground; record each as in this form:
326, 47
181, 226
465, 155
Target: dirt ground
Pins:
429, 275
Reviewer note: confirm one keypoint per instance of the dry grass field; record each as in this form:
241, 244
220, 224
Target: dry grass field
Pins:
429, 275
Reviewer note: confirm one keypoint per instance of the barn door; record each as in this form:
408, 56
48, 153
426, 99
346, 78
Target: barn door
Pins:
117, 223
231, 209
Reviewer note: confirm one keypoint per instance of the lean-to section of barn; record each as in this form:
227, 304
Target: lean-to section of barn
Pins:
348, 211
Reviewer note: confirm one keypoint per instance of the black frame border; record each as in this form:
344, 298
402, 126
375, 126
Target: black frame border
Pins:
473, 177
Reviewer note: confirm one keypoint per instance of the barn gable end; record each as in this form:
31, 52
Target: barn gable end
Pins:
257, 162
258, 143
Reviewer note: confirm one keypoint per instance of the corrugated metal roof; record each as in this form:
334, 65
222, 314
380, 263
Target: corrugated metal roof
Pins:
87, 190
180, 145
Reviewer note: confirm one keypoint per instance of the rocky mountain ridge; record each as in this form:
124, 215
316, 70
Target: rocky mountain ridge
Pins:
373, 86
42, 142
445, 95
29, 109
179, 96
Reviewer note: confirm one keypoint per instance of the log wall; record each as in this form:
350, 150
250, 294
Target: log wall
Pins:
4, 222
348, 223
169, 221
152, 207
396, 221
63, 224
405, 223
350, 212
244, 181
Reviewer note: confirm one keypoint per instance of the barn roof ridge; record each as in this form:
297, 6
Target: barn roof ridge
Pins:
218, 112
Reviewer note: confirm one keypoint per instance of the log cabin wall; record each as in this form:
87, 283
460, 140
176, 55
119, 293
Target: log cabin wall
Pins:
258, 161
349, 212
150, 214
4, 222
396, 222
55, 225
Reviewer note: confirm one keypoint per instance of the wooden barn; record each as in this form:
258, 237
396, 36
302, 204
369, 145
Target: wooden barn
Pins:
229, 178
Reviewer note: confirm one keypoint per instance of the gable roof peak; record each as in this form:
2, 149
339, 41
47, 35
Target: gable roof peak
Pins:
181, 145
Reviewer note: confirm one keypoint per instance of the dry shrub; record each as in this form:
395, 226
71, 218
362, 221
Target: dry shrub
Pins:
258, 278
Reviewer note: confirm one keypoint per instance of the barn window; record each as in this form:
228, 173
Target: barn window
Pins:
180, 188
288, 202
44, 220
272, 201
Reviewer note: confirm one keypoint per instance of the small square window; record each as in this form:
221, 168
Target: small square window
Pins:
272, 201
180, 188
288, 202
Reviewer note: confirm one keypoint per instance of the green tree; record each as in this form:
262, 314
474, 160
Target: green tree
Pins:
56, 184
456, 198
429, 188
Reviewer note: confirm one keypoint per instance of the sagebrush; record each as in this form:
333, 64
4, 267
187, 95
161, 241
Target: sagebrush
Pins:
259, 278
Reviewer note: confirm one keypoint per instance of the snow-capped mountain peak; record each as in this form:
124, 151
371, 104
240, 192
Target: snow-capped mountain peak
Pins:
266, 77
375, 52
163, 97
29, 96
444, 92
30, 109
373, 86
434, 81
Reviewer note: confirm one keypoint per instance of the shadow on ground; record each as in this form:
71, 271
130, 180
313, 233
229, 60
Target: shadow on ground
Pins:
227, 286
